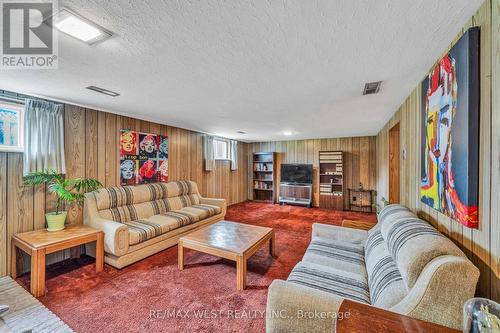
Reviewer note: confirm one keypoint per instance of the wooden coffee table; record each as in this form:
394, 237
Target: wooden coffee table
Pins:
38, 243
230, 240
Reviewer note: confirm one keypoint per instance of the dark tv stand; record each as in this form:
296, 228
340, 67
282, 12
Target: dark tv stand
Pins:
296, 194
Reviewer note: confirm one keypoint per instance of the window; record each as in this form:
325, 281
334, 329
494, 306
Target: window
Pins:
221, 149
11, 127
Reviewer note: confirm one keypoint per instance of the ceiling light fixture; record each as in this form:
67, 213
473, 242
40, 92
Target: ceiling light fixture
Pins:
79, 27
103, 91
287, 133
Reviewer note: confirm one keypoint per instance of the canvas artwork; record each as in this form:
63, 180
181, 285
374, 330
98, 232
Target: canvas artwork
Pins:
143, 157
450, 133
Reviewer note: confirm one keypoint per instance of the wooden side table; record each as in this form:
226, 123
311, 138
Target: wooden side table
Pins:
39, 243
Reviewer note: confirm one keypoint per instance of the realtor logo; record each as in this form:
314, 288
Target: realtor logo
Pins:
28, 39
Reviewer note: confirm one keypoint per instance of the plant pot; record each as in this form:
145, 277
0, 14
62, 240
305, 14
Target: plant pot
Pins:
55, 222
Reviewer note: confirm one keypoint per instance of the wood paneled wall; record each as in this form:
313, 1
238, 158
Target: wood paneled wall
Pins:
91, 146
482, 245
359, 159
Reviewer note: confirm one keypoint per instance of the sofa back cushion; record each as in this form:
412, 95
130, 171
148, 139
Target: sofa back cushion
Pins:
392, 213
413, 243
129, 203
384, 280
113, 197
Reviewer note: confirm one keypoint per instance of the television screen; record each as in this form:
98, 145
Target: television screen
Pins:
297, 173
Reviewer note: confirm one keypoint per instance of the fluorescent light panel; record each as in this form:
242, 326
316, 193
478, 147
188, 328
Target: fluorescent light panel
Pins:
79, 27
103, 91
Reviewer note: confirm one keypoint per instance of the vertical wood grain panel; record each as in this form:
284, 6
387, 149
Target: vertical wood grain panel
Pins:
74, 147
495, 157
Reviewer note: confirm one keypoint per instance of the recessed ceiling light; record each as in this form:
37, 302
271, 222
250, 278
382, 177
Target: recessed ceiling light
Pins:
241, 132
287, 133
79, 27
103, 91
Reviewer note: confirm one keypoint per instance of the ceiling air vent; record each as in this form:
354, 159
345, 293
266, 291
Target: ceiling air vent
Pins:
103, 91
372, 88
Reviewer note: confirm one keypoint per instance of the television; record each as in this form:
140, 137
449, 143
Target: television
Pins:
297, 174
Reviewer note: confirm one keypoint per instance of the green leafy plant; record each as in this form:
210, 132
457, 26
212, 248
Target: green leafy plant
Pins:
379, 207
65, 190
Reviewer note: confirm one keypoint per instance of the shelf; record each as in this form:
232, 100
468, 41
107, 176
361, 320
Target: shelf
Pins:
262, 180
262, 189
268, 171
270, 162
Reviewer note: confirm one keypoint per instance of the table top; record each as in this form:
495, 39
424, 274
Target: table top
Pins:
228, 236
365, 318
43, 238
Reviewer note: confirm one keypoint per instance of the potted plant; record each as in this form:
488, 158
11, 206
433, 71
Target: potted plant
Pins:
65, 190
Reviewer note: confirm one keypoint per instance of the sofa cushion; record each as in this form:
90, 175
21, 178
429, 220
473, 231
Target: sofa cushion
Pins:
144, 229
181, 201
386, 284
338, 254
113, 197
203, 211
405, 238
331, 280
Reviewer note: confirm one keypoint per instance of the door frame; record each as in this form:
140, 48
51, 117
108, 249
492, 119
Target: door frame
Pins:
394, 164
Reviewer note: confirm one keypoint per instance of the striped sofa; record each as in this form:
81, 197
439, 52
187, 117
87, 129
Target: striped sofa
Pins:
139, 221
403, 265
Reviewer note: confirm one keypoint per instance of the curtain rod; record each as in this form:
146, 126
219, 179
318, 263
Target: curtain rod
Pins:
20, 98
11, 97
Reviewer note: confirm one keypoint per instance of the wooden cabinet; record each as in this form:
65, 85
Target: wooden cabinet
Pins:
361, 200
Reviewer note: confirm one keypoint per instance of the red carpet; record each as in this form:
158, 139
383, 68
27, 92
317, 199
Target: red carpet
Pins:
144, 296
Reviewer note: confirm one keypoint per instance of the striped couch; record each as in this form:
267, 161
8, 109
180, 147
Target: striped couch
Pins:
402, 264
141, 220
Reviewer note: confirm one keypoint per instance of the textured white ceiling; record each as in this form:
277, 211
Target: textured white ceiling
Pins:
263, 67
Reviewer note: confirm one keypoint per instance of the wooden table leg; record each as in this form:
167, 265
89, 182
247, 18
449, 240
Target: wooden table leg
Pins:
180, 255
38, 272
99, 253
272, 246
241, 272
13, 259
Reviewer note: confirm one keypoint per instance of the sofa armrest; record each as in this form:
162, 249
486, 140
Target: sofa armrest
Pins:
115, 235
336, 232
295, 308
215, 202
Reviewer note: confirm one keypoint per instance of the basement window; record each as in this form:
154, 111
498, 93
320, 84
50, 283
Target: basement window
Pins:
11, 127
221, 149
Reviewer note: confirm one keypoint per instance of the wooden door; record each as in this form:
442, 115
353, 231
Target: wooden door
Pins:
394, 153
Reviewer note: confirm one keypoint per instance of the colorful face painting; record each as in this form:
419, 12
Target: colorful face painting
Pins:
449, 152
147, 145
163, 169
163, 148
143, 157
147, 171
128, 143
128, 171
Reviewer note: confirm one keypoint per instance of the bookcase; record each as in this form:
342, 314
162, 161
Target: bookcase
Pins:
331, 180
265, 176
